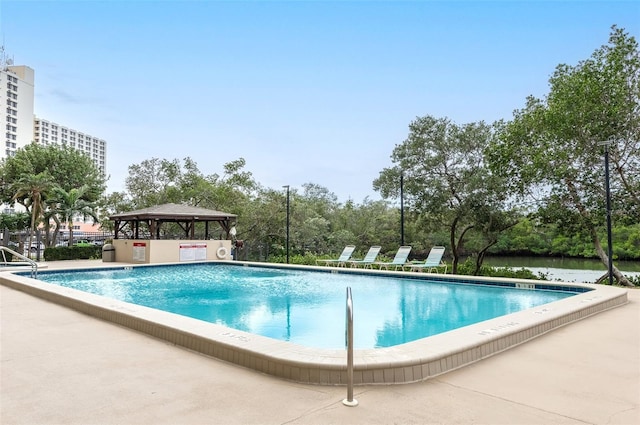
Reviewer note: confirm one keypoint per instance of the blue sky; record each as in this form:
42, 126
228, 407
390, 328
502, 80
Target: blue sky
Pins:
305, 91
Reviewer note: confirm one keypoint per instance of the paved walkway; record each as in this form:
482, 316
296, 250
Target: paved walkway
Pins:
62, 367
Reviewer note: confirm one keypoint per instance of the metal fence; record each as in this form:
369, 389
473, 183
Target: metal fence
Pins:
19, 240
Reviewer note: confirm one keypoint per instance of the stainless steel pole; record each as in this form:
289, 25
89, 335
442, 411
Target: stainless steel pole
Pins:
349, 401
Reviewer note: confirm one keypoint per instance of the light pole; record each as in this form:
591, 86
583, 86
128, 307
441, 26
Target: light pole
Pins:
287, 187
606, 145
401, 209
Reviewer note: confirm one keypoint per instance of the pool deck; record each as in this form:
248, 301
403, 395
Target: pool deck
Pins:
60, 366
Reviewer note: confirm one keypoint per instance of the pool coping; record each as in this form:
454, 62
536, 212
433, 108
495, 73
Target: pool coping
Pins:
405, 363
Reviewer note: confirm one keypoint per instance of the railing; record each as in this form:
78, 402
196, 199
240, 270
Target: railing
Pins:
349, 401
26, 261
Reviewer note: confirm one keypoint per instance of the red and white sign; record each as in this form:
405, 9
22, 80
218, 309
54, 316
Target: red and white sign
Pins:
193, 251
139, 251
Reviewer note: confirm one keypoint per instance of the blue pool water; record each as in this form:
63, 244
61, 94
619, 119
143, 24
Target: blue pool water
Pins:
306, 307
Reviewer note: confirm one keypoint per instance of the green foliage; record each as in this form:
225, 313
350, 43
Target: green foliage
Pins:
113, 203
447, 182
68, 167
553, 147
525, 238
72, 253
16, 221
469, 268
306, 259
318, 222
36, 173
65, 205
321, 226
7, 256
32, 191
461, 182
529, 237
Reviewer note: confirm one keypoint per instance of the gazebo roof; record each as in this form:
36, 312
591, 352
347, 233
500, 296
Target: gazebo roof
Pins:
173, 212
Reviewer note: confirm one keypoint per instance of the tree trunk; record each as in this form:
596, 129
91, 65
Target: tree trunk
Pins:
70, 226
481, 255
455, 245
594, 235
622, 280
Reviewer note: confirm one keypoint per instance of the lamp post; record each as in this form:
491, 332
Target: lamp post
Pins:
606, 145
401, 209
287, 187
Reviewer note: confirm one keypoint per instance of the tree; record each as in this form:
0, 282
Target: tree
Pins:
67, 167
113, 203
32, 191
446, 180
67, 205
154, 182
14, 221
160, 181
371, 223
552, 147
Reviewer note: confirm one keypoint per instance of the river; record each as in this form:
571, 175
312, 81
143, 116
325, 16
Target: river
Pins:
564, 269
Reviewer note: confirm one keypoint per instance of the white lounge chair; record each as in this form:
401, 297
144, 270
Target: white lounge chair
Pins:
399, 261
368, 260
433, 261
342, 260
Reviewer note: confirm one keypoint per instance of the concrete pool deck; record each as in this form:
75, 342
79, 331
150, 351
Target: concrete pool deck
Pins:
60, 366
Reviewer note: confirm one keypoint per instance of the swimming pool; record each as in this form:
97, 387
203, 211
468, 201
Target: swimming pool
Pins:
307, 307
408, 362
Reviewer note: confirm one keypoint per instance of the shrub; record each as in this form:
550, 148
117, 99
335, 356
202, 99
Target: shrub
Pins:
468, 267
72, 253
7, 255
307, 259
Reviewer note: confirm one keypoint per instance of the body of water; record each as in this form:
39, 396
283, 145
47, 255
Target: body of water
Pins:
564, 269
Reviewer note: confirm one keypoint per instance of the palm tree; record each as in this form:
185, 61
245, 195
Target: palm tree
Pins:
31, 191
67, 205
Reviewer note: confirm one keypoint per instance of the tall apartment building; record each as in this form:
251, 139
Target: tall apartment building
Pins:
23, 127
16, 98
49, 133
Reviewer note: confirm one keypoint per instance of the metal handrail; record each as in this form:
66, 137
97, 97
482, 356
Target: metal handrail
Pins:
349, 401
26, 260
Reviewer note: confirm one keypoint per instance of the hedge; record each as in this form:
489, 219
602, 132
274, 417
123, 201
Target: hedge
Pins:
72, 253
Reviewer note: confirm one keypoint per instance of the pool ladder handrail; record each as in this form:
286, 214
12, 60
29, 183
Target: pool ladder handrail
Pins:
26, 261
349, 401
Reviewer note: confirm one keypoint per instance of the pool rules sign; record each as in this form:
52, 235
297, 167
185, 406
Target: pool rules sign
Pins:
139, 251
193, 251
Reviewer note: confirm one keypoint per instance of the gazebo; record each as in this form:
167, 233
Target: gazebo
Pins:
145, 242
